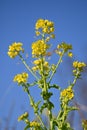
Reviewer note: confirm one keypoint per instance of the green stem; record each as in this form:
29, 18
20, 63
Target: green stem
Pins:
50, 119
59, 61
75, 79
29, 69
45, 89
37, 114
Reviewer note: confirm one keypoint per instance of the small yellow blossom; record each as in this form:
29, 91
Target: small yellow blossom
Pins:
23, 116
39, 48
52, 29
67, 93
37, 62
46, 63
37, 33
70, 54
35, 68
21, 78
60, 53
15, 49
34, 124
45, 30
40, 24
52, 36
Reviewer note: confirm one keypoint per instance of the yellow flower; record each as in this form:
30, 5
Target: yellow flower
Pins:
21, 78
52, 29
39, 48
35, 68
46, 26
67, 93
37, 62
37, 33
52, 36
15, 49
46, 64
79, 65
70, 54
23, 116
40, 24
34, 124
45, 30
64, 46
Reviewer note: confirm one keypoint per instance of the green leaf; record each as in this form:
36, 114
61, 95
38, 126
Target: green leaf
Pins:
72, 108
43, 107
54, 86
48, 105
46, 95
36, 106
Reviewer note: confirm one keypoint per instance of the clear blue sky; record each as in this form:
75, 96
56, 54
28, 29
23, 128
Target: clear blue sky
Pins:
17, 20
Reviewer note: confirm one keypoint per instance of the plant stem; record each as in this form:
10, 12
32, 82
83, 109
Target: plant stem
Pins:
50, 119
45, 89
75, 79
59, 61
37, 114
29, 69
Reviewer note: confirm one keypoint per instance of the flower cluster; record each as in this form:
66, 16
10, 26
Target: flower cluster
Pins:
15, 49
38, 64
63, 48
39, 48
46, 26
34, 124
79, 65
23, 116
67, 94
21, 78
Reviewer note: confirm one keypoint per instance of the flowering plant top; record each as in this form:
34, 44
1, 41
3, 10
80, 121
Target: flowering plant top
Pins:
43, 73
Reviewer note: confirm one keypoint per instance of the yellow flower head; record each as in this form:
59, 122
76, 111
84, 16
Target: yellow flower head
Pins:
21, 78
39, 48
34, 124
46, 26
38, 63
64, 46
23, 116
40, 24
15, 49
67, 93
70, 54
79, 65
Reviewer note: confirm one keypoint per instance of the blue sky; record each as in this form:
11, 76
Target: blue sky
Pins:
17, 20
